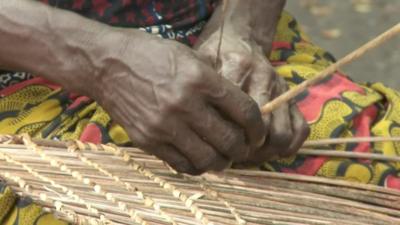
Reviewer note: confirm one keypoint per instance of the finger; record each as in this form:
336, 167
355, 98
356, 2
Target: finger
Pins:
174, 158
261, 84
239, 107
225, 137
263, 87
281, 133
163, 151
300, 128
203, 156
260, 87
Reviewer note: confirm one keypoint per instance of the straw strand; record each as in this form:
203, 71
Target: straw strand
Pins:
221, 33
147, 201
87, 181
177, 193
215, 194
330, 141
345, 154
68, 192
258, 197
58, 206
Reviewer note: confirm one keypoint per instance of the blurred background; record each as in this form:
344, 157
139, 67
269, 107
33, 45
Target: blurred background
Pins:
342, 26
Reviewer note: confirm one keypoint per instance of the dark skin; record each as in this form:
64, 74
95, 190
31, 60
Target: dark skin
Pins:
171, 100
247, 39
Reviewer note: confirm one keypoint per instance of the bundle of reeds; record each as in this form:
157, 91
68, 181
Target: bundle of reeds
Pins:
90, 184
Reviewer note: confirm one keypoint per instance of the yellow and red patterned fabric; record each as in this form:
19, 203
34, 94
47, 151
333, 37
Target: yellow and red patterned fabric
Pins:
22, 211
336, 107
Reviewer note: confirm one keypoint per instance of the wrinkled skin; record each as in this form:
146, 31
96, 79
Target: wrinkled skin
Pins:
170, 99
244, 62
178, 108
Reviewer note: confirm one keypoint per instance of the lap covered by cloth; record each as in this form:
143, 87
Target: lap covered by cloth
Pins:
336, 107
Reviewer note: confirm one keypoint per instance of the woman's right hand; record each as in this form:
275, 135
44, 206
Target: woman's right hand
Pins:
175, 106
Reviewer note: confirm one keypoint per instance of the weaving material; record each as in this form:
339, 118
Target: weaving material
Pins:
104, 184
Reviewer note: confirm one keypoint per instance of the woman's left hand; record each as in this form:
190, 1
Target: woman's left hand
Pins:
243, 62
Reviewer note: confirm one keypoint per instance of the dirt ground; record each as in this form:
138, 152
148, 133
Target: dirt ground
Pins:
341, 26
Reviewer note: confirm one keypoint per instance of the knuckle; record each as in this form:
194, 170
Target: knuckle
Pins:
180, 99
176, 102
243, 60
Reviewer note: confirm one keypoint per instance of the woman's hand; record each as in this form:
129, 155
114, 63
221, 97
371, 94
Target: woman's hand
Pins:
174, 105
244, 63
170, 102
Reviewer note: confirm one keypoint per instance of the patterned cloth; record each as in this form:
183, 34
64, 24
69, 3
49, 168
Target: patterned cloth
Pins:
21, 211
181, 20
8, 78
336, 107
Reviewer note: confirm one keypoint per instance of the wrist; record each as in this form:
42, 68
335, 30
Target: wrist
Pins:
86, 56
78, 54
255, 20
115, 56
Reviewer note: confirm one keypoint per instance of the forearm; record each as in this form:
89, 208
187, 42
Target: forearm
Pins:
58, 45
255, 19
